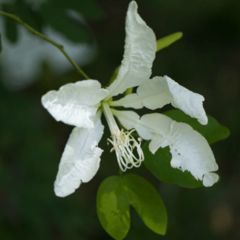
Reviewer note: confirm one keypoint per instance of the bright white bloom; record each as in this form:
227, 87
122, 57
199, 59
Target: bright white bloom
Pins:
81, 104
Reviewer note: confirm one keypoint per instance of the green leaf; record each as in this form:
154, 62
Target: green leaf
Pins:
159, 165
113, 207
114, 75
10, 26
147, 202
0, 43
114, 197
213, 131
90, 9
11, 30
168, 40
57, 18
26, 14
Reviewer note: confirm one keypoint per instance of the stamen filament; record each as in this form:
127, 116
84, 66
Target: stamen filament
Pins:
123, 143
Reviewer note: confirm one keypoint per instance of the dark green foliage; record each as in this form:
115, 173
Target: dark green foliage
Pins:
0, 43
58, 20
89, 9
11, 30
10, 26
159, 165
205, 61
56, 14
28, 15
213, 131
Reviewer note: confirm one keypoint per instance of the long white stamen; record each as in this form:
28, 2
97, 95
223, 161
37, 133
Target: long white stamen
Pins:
123, 143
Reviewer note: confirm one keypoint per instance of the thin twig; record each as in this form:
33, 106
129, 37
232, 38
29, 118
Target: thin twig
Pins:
33, 31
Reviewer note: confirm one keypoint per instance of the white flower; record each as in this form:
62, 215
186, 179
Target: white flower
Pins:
81, 104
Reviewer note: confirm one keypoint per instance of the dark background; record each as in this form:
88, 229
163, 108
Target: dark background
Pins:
205, 60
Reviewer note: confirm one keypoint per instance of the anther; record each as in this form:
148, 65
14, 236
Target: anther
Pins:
124, 144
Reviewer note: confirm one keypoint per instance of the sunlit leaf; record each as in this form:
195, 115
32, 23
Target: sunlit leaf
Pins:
113, 207
114, 197
168, 40
147, 202
159, 165
213, 131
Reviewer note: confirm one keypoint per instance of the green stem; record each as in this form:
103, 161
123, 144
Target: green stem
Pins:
120, 172
33, 31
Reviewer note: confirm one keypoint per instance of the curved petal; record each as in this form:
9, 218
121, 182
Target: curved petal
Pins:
189, 102
159, 91
140, 49
209, 179
190, 150
130, 120
75, 103
80, 160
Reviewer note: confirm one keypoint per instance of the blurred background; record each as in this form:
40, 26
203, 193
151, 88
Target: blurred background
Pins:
206, 60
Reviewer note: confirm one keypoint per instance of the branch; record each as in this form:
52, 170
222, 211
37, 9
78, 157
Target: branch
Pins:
33, 31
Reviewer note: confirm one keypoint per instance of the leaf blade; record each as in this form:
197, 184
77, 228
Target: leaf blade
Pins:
58, 19
168, 40
147, 202
213, 131
11, 30
159, 165
113, 207
90, 9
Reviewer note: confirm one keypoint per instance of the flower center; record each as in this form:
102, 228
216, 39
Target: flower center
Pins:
124, 144
128, 150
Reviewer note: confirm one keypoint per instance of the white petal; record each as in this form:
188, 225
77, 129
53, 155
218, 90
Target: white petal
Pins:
130, 120
140, 49
189, 102
80, 160
158, 141
190, 150
159, 91
209, 179
75, 103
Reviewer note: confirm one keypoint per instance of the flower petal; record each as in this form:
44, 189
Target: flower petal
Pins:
129, 120
159, 91
209, 179
80, 160
190, 150
140, 49
75, 103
